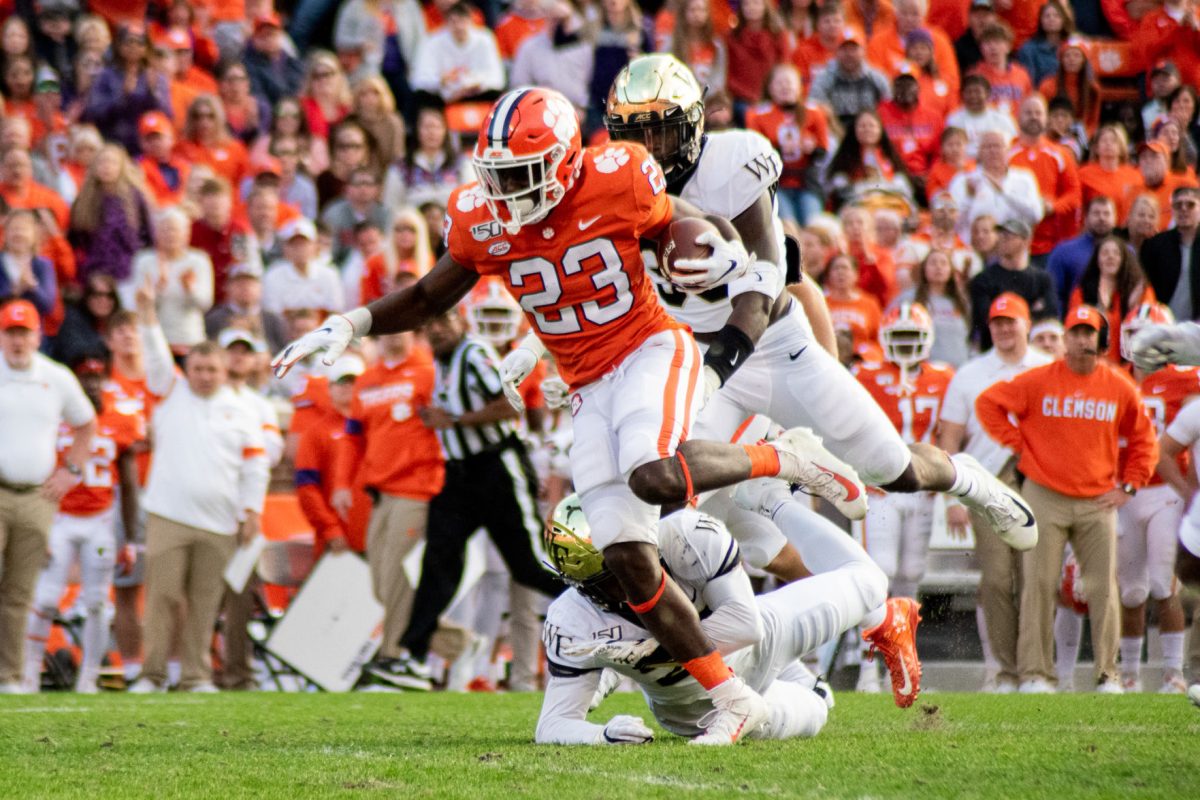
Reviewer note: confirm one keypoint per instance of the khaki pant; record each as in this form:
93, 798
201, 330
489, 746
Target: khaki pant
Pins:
184, 567
237, 669
526, 610
25, 520
1092, 532
397, 525
999, 589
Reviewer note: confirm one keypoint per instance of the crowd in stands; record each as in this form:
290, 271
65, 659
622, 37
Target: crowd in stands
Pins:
254, 167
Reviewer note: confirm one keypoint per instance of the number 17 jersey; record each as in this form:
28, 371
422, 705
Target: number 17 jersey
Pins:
578, 273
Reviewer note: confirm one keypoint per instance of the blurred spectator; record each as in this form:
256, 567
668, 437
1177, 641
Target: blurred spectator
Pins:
888, 45
800, 132
360, 35
206, 140
524, 19
126, 89
15, 40
461, 62
1011, 272
406, 251
1063, 421
52, 38
996, 189
1144, 221
164, 173
877, 270
187, 81
1076, 80
24, 274
36, 396
619, 37
849, 85
870, 15
1164, 80
1039, 54
110, 220
866, 168
967, 48
984, 239
1009, 81
86, 325
1109, 172
19, 189
1168, 33
942, 234
262, 214
359, 204
1173, 261
431, 170
959, 430
387, 451
48, 125
757, 42
375, 109
939, 289
1153, 163
1114, 284
315, 459
182, 277
246, 115
952, 159
814, 53
289, 121
83, 143
850, 309
560, 56
204, 498
1183, 107
92, 34
225, 239
274, 72
695, 42
1056, 174
912, 128
295, 187
325, 96
977, 116
351, 147
301, 279
936, 93
1046, 336
243, 304
1070, 258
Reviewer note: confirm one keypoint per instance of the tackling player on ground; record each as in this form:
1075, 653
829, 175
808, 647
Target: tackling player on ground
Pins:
562, 226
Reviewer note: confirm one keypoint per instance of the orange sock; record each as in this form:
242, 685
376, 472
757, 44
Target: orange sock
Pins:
764, 460
710, 671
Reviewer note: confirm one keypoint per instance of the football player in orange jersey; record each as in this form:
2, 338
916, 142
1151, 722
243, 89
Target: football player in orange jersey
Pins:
562, 225
910, 389
1149, 523
85, 529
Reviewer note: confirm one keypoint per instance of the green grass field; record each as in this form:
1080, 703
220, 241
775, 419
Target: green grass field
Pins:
472, 746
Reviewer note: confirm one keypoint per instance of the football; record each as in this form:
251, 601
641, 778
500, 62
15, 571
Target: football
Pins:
678, 242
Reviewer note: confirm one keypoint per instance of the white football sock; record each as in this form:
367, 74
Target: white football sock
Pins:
1172, 651
1131, 656
966, 484
1068, 631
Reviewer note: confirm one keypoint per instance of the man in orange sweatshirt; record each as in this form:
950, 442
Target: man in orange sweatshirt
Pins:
1069, 416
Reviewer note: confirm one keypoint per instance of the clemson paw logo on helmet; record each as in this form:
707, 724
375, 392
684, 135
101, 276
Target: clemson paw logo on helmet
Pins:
612, 159
470, 199
559, 117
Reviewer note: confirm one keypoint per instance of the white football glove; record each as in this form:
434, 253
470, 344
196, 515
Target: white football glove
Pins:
517, 366
614, 652
712, 382
728, 262
556, 392
1158, 345
333, 337
624, 729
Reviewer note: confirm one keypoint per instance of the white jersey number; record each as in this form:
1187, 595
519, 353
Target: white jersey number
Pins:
542, 305
909, 408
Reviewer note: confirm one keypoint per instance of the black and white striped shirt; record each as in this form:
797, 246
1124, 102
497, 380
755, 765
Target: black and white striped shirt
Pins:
468, 382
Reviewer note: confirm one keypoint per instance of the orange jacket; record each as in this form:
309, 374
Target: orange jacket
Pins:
1123, 185
1160, 38
1068, 426
940, 175
860, 316
314, 461
387, 447
1058, 179
885, 50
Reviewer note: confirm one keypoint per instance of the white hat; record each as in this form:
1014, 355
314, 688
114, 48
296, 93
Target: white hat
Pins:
230, 336
346, 365
299, 227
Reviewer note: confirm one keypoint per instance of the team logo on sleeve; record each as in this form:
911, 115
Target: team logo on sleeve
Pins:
612, 159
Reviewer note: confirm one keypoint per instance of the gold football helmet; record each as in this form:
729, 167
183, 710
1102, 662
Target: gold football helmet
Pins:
657, 102
568, 544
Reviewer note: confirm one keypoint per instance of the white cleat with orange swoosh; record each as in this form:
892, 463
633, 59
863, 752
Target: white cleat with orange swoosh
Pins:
804, 461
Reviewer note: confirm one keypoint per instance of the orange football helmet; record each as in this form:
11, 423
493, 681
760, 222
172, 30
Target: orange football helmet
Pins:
1143, 316
492, 314
528, 155
906, 334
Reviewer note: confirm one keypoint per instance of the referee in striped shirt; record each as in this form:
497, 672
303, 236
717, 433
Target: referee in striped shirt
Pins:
490, 483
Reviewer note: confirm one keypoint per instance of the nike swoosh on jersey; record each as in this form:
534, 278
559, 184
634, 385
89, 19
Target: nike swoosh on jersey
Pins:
797, 354
584, 225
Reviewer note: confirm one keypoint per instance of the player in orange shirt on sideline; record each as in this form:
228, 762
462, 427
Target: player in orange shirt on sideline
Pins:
1069, 416
314, 461
1150, 521
910, 388
85, 529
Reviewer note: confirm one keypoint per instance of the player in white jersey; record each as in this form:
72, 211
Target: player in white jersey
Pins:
589, 627
782, 372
